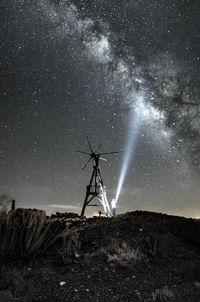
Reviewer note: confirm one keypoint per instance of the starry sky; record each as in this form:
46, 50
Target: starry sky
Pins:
71, 69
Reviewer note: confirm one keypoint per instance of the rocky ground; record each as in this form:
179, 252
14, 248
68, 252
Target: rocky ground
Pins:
138, 256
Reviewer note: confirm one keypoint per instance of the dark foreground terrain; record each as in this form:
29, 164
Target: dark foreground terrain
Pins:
138, 256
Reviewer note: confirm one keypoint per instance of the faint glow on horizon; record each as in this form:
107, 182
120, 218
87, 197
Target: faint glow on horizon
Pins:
63, 206
131, 140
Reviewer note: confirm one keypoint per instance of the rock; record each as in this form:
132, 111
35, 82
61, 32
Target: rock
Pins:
87, 259
124, 245
6, 296
67, 260
197, 284
17, 282
65, 215
62, 283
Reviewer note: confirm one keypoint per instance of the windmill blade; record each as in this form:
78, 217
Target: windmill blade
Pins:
109, 153
83, 152
98, 148
86, 163
89, 145
103, 158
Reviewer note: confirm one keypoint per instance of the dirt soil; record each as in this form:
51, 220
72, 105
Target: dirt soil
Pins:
138, 256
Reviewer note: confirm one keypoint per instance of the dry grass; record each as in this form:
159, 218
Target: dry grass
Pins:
121, 253
163, 295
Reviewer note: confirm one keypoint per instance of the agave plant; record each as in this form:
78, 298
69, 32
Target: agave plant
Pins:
25, 232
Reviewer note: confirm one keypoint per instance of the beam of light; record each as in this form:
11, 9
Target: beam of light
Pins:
131, 141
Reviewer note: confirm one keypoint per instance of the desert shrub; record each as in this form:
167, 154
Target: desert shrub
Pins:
25, 232
163, 295
71, 245
121, 253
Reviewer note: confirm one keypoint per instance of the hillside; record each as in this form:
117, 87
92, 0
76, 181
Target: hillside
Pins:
138, 256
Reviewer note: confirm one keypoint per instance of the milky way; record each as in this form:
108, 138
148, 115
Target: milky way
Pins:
71, 69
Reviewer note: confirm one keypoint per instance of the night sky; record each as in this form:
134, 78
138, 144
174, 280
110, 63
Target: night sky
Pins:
71, 69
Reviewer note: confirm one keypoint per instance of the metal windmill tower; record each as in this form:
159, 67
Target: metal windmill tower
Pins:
96, 187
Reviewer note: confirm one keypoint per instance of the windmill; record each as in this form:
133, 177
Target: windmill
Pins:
96, 187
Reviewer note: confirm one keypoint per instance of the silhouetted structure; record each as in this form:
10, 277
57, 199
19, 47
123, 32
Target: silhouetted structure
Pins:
13, 205
96, 187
